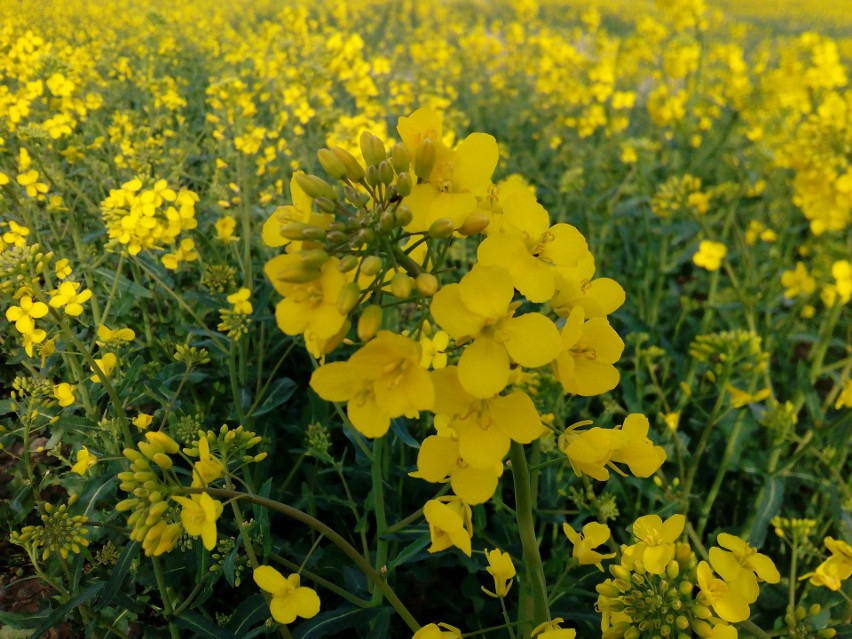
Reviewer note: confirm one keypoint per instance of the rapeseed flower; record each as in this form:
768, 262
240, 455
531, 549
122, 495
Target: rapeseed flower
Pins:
500, 567
289, 598
593, 535
198, 515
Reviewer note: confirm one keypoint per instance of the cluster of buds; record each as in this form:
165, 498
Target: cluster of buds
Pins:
150, 489
60, 532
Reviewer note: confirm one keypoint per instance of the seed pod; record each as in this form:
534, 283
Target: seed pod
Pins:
424, 160
315, 187
348, 298
369, 322
441, 229
331, 164
426, 284
404, 184
401, 285
475, 223
354, 170
372, 148
371, 264
400, 158
385, 172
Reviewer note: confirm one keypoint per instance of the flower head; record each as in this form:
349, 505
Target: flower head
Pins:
592, 536
289, 598
500, 567
198, 516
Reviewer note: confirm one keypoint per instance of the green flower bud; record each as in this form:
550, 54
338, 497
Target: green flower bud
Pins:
325, 205
386, 174
369, 322
702, 628
372, 148
335, 238
347, 263
387, 221
441, 229
371, 264
332, 164
315, 187
298, 274
400, 159
608, 589
354, 170
632, 633
426, 284
401, 285
348, 298
365, 236
372, 175
404, 184
403, 215
424, 160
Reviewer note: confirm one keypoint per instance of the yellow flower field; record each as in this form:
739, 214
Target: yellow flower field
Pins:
431, 319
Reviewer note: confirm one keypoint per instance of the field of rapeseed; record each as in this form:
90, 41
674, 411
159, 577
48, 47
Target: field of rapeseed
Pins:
425, 319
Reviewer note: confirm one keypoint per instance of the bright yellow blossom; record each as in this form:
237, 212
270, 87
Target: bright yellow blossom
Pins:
106, 364
450, 524
67, 298
500, 567
727, 600
710, 255
438, 631
64, 392
85, 460
836, 569
798, 282
584, 365
198, 515
655, 547
289, 598
592, 536
142, 421
25, 314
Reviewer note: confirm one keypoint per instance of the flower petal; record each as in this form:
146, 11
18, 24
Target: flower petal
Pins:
484, 368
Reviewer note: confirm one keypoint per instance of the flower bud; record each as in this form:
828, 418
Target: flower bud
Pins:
403, 215
387, 221
365, 236
313, 258
302, 232
369, 322
163, 461
672, 569
335, 238
401, 285
325, 205
348, 298
331, 164
371, 264
372, 148
347, 263
441, 229
426, 284
632, 633
403, 184
385, 172
315, 187
354, 170
400, 158
608, 589
701, 611
701, 628
298, 274
424, 160
827, 633
372, 175
475, 223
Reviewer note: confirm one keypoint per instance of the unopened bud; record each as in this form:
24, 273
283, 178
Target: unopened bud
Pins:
365, 236
371, 264
424, 160
298, 274
404, 215
347, 263
301, 232
701, 628
331, 164
385, 172
475, 223
426, 284
369, 322
315, 187
400, 158
401, 285
335, 238
672, 569
348, 298
608, 589
325, 205
372, 148
441, 229
372, 175
313, 258
354, 170
163, 461
387, 221
404, 184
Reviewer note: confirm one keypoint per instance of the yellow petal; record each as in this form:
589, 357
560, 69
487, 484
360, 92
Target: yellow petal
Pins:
476, 159
474, 485
452, 315
306, 602
482, 447
436, 458
516, 416
487, 291
484, 368
335, 382
367, 416
291, 317
532, 340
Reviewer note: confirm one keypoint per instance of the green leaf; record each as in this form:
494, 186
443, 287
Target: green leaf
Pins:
60, 614
771, 496
201, 626
410, 551
328, 624
280, 391
121, 568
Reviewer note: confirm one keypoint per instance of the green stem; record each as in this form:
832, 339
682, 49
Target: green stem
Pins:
730, 449
164, 593
332, 535
535, 610
376, 468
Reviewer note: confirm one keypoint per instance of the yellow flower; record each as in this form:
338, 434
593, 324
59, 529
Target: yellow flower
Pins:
836, 569
585, 364
225, 226
67, 297
161, 538
198, 515
842, 273
107, 334
500, 567
727, 601
143, 420
289, 598
62, 268
16, 235
240, 301
24, 314
592, 536
656, 541
480, 307
797, 282
208, 469
742, 564
710, 255
439, 458
85, 460
381, 381
438, 631
553, 630
742, 398
450, 524
844, 398
106, 364
64, 392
